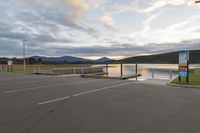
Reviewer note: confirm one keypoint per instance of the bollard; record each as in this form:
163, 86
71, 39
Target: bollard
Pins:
107, 69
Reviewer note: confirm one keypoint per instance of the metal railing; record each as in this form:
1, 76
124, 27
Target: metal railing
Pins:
78, 70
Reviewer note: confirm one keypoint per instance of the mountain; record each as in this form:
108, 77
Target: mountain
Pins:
69, 59
163, 58
103, 60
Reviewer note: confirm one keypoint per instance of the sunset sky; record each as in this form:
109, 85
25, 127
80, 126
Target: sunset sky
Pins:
97, 28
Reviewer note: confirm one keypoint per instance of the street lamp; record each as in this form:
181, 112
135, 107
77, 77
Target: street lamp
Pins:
198, 1
24, 54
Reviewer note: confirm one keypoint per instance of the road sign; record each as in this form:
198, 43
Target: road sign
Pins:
184, 65
10, 63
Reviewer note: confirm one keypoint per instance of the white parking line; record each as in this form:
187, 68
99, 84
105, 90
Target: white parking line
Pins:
24, 78
83, 93
35, 81
54, 100
40, 87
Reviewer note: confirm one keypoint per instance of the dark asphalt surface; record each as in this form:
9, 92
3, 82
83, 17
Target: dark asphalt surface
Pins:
78, 105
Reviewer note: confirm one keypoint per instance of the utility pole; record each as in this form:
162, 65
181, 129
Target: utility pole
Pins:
24, 53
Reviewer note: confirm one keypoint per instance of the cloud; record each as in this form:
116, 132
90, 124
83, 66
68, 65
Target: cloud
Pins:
94, 4
36, 20
115, 50
108, 22
60, 27
183, 24
146, 23
78, 8
148, 6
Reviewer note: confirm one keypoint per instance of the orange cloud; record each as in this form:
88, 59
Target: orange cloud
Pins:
108, 22
78, 8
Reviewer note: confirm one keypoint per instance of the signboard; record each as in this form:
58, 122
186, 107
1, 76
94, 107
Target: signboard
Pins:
10, 63
183, 63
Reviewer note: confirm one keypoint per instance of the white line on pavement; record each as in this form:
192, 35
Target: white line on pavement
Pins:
54, 100
83, 93
40, 87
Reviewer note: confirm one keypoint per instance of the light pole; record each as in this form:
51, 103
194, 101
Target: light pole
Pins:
24, 54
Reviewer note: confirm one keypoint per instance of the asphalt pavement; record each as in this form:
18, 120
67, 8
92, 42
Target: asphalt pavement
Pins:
60, 104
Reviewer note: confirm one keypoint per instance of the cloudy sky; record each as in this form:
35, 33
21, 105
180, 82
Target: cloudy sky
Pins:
96, 28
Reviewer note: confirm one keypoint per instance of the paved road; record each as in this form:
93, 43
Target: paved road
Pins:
57, 104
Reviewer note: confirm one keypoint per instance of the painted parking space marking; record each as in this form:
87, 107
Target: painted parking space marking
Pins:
36, 81
54, 100
83, 93
46, 86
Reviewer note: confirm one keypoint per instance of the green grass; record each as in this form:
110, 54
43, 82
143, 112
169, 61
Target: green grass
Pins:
194, 78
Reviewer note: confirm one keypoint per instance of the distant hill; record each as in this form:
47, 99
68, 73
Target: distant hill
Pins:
69, 59
163, 58
103, 60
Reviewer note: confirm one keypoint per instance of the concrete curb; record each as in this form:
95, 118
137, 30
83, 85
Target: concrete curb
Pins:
106, 77
185, 86
100, 77
181, 85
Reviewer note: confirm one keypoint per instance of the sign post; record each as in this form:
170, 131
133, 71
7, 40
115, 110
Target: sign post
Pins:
121, 70
136, 71
184, 65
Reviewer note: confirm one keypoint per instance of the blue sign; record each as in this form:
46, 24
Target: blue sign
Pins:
183, 63
183, 74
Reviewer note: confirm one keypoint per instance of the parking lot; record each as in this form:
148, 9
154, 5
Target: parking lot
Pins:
60, 104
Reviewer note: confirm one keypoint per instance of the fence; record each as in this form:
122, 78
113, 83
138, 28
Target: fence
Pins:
155, 71
37, 68
1, 68
78, 70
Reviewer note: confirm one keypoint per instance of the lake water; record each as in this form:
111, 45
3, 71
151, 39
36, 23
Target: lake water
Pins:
160, 71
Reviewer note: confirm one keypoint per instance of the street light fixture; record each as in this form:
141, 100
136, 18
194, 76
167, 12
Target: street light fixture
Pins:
24, 54
198, 1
